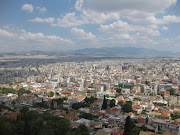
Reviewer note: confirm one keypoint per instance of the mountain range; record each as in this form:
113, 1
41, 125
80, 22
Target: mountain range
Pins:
124, 51
105, 51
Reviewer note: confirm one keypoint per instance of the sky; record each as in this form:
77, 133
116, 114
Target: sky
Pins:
62, 25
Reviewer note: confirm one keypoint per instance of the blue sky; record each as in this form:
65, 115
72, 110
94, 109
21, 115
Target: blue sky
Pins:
60, 25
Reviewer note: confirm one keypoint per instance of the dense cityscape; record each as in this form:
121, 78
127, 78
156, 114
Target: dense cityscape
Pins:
101, 94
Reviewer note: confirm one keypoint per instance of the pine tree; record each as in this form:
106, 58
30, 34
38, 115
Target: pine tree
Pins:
104, 106
128, 127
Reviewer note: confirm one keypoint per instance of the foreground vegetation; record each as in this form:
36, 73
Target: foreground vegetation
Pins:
32, 123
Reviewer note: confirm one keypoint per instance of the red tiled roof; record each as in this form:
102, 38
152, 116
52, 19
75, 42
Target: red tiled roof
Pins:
175, 123
141, 120
115, 109
121, 131
80, 97
137, 107
67, 92
11, 115
98, 85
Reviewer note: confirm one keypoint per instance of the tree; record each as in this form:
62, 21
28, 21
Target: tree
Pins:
128, 127
83, 128
78, 105
144, 128
175, 116
32, 123
147, 120
24, 109
136, 130
112, 103
50, 94
127, 107
172, 92
104, 106
120, 103
118, 90
13, 102
87, 116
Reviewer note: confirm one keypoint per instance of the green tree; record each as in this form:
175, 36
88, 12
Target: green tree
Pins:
172, 92
13, 102
83, 129
147, 120
76, 106
112, 103
118, 90
136, 130
6, 128
127, 108
87, 116
104, 106
175, 116
120, 103
128, 127
50, 94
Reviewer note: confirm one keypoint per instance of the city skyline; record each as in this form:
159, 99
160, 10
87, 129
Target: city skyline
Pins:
69, 25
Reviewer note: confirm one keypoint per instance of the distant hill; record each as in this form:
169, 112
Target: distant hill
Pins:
124, 51
105, 52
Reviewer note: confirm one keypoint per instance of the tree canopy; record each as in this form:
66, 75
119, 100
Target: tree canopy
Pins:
32, 123
127, 107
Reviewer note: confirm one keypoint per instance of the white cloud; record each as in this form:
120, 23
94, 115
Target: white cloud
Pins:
41, 9
153, 6
69, 20
152, 32
171, 19
99, 17
41, 20
28, 7
164, 20
116, 27
4, 33
123, 27
82, 35
27, 41
139, 12
125, 36
79, 4
164, 28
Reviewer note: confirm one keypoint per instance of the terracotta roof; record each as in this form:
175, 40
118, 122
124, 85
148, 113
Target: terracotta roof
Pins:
137, 107
164, 114
11, 115
159, 123
80, 97
141, 120
123, 100
67, 92
121, 123
121, 131
175, 123
48, 88
133, 90
130, 113
99, 86
140, 115
115, 109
